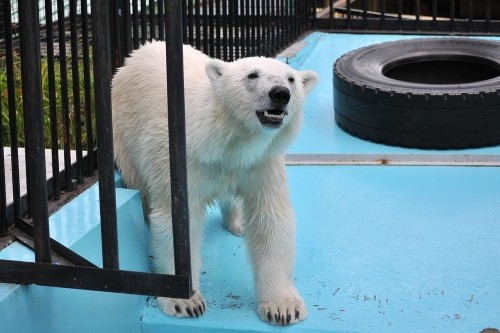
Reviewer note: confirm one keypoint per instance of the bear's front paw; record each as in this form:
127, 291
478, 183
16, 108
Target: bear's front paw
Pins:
286, 311
177, 307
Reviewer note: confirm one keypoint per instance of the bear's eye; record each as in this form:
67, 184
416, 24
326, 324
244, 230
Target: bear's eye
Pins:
291, 80
253, 76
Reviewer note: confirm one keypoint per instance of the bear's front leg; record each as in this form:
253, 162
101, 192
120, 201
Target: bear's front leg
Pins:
270, 235
162, 253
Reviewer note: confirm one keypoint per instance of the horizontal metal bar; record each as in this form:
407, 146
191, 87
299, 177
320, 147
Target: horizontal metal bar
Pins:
395, 159
28, 241
97, 279
60, 251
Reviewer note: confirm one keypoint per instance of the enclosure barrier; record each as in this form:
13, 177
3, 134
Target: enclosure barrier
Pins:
224, 29
80, 273
401, 16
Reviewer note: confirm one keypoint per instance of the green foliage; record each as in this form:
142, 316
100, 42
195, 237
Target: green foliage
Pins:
18, 107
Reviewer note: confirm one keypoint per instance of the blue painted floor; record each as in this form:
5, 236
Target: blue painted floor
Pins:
379, 248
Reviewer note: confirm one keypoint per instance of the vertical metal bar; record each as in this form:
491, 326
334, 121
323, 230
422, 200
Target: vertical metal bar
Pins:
198, 24
382, 17
452, 15
310, 24
253, 36
365, 14
33, 124
277, 23
161, 21
76, 91
177, 139
218, 26
237, 29
102, 88
9, 62
190, 22
56, 180
417, 15
135, 24
470, 14
68, 186
184, 22
3, 195
400, 15
116, 33
487, 26
349, 14
125, 27
332, 14
224, 30
231, 30
268, 26
211, 26
152, 23
298, 25
248, 23
290, 17
286, 23
434, 15
205, 26
87, 89
144, 22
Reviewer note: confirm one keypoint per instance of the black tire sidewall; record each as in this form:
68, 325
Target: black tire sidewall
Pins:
373, 106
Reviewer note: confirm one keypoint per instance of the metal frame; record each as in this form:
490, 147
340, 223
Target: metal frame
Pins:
74, 271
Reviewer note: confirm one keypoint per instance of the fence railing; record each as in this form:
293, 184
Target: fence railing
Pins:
51, 104
419, 16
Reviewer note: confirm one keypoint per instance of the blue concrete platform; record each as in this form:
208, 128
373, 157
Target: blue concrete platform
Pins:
379, 248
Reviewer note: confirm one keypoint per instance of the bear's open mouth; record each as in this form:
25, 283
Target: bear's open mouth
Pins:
272, 118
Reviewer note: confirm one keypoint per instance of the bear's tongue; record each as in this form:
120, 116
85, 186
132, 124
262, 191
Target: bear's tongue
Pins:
271, 118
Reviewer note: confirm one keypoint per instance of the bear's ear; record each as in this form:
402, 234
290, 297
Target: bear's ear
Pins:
214, 69
309, 80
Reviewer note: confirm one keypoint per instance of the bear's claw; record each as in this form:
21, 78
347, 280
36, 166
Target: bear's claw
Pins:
176, 307
290, 312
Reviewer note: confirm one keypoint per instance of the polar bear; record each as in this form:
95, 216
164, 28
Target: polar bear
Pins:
240, 118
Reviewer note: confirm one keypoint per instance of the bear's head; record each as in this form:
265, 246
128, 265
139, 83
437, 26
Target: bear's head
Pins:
262, 93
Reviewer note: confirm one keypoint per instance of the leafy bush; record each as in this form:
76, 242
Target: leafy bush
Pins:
46, 103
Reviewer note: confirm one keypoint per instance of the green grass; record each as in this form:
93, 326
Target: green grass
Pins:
46, 104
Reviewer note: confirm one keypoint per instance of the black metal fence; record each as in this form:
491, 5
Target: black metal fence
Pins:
55, 94
415, 16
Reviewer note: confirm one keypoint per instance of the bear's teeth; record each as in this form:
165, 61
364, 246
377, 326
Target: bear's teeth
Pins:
275, 116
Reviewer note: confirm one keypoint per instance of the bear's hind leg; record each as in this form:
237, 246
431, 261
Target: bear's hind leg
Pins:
162, 253
232, 216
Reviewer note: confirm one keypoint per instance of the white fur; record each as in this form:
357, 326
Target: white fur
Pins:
232, 159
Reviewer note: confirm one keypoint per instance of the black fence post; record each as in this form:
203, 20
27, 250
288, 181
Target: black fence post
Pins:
9, 62
3, 195
33, 124
177, 137
105, 160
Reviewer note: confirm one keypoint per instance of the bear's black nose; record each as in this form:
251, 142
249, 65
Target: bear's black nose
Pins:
279, 95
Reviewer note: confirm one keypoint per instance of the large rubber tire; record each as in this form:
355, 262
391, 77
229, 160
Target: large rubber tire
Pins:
440, 93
